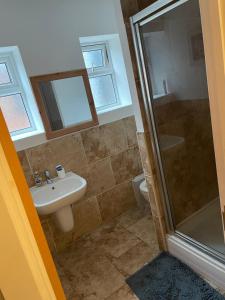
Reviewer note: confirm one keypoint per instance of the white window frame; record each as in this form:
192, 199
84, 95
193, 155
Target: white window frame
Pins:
20, 85
107, 69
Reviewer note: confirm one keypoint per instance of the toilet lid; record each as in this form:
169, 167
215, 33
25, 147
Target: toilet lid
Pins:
143, 186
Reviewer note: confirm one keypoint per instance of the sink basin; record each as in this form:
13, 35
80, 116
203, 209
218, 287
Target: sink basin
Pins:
56, 198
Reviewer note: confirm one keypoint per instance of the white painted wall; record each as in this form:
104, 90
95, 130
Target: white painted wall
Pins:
171, 57
47, 31
128, 64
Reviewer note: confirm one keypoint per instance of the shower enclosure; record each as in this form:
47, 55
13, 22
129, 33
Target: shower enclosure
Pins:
170, 51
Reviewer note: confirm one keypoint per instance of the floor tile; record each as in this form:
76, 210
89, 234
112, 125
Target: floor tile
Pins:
124, 293
135, 258
118, 242
93, 277
105, 229
95, 266
66, 283
144, 229
130, 217
78, 251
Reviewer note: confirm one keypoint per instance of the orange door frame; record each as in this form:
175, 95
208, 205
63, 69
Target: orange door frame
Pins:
18, 175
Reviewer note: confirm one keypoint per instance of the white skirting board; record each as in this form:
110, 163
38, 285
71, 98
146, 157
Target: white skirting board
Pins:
201, 263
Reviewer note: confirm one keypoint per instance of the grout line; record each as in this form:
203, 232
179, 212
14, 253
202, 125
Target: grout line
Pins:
113, 173
83, 148
30, 166
116, 185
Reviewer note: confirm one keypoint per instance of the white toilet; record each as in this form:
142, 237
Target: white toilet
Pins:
144, 190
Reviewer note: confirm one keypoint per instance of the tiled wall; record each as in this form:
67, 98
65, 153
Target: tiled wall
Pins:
190, 167
148, 163
107, 157
129, 8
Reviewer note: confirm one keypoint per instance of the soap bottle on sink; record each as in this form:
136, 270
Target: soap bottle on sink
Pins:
60, 171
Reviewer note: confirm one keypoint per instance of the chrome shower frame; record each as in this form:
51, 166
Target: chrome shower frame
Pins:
137, 21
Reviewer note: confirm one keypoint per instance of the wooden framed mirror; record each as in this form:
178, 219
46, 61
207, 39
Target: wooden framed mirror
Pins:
65, 102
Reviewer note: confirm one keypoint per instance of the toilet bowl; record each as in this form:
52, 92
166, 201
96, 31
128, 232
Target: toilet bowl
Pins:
144, 190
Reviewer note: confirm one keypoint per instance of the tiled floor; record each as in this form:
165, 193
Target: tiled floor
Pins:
96, 266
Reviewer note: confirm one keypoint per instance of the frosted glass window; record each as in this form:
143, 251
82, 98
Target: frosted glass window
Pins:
103, 91
16, 99
4, 74
14, 112
101, 75
93, 58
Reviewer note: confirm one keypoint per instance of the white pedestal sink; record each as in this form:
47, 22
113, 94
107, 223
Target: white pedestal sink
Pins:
56, 198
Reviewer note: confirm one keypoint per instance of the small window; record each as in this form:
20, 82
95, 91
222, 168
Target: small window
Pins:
101, 75
14, 111
4, 74
15, 93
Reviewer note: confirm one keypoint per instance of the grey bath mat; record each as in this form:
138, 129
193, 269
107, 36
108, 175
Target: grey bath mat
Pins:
167, 278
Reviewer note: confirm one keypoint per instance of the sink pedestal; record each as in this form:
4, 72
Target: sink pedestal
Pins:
56, 198
64, 218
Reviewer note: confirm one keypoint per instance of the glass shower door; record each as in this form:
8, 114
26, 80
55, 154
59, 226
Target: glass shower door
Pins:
171, 44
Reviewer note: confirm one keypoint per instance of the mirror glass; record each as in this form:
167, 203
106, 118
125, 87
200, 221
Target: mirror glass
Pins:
66, 102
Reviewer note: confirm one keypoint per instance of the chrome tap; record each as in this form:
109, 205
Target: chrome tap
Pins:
48, 177
37, 179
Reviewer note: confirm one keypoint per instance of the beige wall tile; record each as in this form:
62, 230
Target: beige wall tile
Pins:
131, 130
154, 198
94, 144
155, 201
114, 136
126, 165
90, 153
160, 227
26, 168
116, 201
49, 234
62, 240
67, 151
99, 177
145, 159
129, 8
87, 216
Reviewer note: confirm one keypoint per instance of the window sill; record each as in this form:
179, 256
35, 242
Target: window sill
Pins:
158, 96
29, 139
115, 113
32, 139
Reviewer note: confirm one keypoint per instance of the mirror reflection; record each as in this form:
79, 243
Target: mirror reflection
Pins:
66, 102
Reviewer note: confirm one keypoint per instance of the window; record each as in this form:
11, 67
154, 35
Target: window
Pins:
16, 98
98, 62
